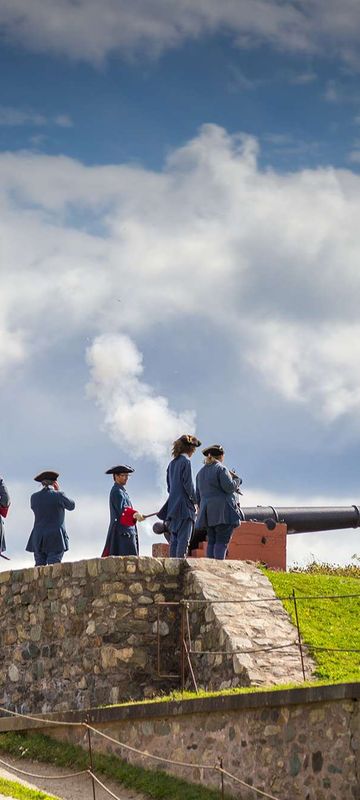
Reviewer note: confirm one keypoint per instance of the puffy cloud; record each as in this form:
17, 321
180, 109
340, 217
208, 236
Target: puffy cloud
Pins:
267, 262
135, 417
90, 31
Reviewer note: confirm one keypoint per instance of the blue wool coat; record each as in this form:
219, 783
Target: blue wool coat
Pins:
49, 533
121, 540
180, 504
216, 496
4, 501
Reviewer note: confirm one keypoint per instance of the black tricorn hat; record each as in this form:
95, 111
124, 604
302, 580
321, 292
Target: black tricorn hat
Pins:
190, 440
121, 469
213, 450
47, 475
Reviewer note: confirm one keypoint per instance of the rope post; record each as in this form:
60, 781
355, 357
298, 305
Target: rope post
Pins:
158, 639
182, 645
299, 636
91, 765
221, 764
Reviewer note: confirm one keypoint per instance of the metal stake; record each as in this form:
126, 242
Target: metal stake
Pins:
182, 646
91, 758
299, 636
222, 779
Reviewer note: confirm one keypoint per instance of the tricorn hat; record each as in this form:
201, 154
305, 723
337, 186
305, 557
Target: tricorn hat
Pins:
213, 450
120, 469
191, 440
47, 475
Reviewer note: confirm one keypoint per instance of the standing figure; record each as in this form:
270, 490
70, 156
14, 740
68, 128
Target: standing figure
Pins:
216, 488
4, 508
179, 511
122, 539
48, 539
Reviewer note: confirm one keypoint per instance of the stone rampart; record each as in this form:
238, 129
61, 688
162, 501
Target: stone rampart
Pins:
84, 634
81, 634
298, 744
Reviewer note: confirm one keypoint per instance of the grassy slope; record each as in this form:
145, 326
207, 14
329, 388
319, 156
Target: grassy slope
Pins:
153, 783
325, 623
20, 792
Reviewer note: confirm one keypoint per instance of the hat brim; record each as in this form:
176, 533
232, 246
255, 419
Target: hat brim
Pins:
213, 450
47, 475
120, 469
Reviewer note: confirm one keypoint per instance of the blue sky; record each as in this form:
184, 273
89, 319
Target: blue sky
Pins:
179, 202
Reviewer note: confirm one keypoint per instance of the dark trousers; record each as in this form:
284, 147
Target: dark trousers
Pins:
218, 538
41, 559
179, 539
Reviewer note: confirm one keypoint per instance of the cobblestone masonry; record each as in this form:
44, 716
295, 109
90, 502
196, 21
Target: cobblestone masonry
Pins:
83, 634
297, 745
235, 626
80, 634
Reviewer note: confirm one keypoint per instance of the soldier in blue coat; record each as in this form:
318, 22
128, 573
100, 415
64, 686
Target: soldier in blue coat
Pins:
4, 507
216, 490
122, 539
179, 510
48, 539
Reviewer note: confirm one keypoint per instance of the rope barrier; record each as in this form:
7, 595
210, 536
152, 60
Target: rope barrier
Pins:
104, 787
242, 652
268, 599
39, 719
43, 777
270, 649
181, 763
248, 785
150, 755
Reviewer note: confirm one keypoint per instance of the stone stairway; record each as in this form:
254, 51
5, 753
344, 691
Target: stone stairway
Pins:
227, 626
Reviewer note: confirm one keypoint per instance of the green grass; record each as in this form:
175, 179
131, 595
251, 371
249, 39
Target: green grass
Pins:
20, 792
154, 784
202, 693
325, 623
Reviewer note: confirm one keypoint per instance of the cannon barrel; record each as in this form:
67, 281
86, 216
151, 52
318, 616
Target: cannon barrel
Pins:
305, 520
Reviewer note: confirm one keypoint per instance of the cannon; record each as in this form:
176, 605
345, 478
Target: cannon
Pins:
262, 533
304, 520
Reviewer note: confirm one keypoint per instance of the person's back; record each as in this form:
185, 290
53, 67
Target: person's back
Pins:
48, 539
179, 510
216, 491
49, 508
181, 500
4, 507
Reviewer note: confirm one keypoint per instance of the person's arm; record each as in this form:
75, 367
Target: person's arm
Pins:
66, 502
197, 492
187, 481
227, 483
4, 499
118, 501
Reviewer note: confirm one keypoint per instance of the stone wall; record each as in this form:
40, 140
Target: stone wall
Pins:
84, 634
258, 640
81, 634
299, 744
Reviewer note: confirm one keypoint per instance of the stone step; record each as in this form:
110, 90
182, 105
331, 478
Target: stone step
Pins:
232, 626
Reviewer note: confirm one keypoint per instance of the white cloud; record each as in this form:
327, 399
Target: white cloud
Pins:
17, 117
13, 117
135, 417
266, 262
91, 31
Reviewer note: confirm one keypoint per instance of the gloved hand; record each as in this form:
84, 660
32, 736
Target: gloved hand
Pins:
138, 517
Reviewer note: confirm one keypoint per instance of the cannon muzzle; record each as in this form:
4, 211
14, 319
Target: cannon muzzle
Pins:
305, 520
